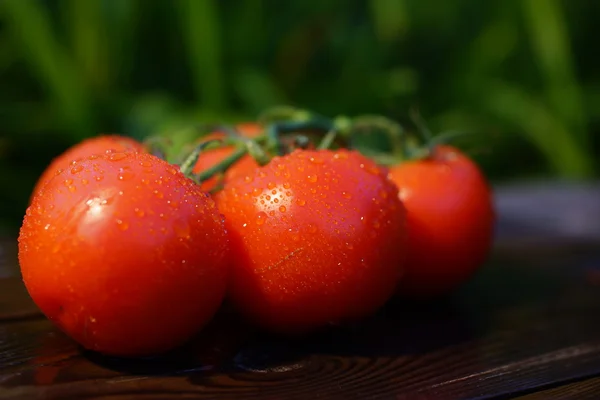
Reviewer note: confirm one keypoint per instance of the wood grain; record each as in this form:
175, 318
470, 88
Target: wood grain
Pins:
582, 390
526, 322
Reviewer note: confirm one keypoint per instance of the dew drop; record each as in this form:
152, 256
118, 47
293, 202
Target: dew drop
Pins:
312, 178
248, 179
182, 229
47, 227
276, 200
145, 163
282, 209
271, 185
301, 202
346, 195
125, 175
117, 156
122, 225
312, 228
349, 246
286, 185
76, 169
158, 194
68, 182
256, 192
72, 188
84, 181
316, 160
138, 212
98, 178
261, 217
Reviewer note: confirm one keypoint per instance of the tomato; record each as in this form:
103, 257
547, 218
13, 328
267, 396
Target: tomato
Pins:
450, 221
212, 157
93, 145
125, 254
317, 237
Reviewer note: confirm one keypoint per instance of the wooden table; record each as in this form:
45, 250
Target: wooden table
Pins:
527, 326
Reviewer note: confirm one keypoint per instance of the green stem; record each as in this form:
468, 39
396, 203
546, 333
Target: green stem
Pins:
222, 166
327, 140
190, 162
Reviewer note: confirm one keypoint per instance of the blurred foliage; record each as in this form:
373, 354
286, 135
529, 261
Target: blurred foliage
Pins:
520, 74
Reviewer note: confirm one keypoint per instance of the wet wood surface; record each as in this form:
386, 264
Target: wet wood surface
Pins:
527, 326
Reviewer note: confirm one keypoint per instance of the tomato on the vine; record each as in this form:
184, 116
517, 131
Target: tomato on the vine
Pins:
125, 254
450, 215
317, 237
212, 157
94, 145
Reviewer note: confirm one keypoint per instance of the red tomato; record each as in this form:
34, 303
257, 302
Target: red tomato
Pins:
317, 237
94, 145
125, 254
212, 157
450, 221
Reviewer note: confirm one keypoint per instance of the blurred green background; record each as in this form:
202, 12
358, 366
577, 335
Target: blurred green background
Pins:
523, 74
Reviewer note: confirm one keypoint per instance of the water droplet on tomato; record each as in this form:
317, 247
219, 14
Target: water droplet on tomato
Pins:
276, 200
312, 228
158, 194
286, 185
182, 229
122, 225
346, 195
261, 217
76, 169
72, 188
138, 212
84, 181
349, 246
301, 202
316, 160
125, 175
256, 192
312, 178
248, 179
282, 209
47, 227
98, 178
271, 185
117, 156
68, 182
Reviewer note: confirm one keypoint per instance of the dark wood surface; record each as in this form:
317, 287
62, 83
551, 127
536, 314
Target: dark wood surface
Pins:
527, 326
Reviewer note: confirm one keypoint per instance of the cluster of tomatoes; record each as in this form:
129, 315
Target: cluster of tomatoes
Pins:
131, 254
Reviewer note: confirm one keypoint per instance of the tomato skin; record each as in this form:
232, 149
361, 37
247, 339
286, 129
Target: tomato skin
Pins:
125, 254
317, 237
451, 218
94, 145
212, 157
